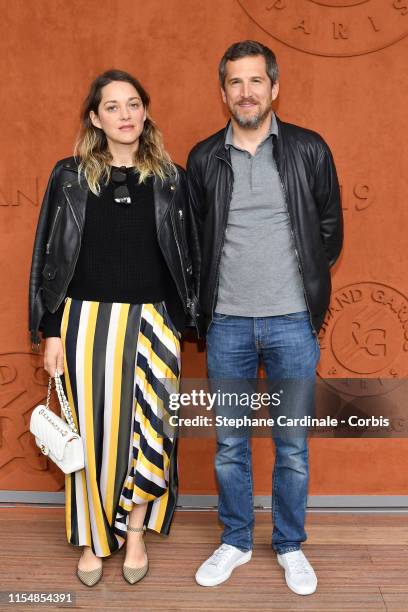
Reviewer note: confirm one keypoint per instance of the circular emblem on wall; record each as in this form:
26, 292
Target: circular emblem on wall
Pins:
338, 28
365, 335
23, 385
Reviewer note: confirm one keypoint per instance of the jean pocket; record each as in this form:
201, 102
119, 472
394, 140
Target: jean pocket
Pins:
218, 316
297, 316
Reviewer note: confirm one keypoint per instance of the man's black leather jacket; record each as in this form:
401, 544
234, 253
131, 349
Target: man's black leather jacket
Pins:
309, 180
60, 229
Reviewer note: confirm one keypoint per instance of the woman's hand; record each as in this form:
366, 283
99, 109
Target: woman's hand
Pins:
53, 356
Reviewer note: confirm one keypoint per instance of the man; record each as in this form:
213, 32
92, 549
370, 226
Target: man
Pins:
266, 200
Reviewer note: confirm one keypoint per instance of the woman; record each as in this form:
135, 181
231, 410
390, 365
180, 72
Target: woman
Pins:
111, 291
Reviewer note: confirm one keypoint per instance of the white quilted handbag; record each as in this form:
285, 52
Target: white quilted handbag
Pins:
56, 438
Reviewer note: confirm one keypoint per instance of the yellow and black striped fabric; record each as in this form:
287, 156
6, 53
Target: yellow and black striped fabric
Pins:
121, 361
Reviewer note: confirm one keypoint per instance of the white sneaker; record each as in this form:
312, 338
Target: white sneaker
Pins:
220, 565
299, 574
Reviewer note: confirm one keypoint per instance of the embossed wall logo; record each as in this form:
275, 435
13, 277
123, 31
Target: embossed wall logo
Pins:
23, 385
338, 28
365, 333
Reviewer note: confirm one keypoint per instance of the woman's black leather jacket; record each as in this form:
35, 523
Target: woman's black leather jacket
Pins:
60, 229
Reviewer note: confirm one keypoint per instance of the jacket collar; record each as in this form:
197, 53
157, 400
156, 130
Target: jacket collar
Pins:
223, 152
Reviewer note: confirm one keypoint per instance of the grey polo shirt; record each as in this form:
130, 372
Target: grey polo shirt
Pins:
259, 273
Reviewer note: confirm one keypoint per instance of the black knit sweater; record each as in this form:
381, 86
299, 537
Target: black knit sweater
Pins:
120, 259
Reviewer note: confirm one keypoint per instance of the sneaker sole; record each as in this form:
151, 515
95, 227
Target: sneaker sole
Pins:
292, 588
225, 576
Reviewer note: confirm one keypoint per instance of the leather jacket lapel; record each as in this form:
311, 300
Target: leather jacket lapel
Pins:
163, 193
77, 196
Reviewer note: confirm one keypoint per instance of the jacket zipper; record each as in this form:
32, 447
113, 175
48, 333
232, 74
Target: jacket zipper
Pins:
188, 302
76, 254
295, 248
48, 246
180, 214
222, 242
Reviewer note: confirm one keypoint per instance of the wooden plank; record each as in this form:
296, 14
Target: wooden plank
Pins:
360, 566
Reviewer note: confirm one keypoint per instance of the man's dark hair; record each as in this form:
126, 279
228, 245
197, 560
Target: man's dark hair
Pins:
247, 48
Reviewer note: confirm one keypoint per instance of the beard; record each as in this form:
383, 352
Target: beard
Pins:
253, 122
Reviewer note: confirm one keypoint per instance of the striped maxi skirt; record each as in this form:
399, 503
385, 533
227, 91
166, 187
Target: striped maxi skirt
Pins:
121, 361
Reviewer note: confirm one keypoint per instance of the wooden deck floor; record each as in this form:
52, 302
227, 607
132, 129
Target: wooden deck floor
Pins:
361, 562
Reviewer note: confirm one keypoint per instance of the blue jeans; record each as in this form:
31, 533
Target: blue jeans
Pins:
288, 349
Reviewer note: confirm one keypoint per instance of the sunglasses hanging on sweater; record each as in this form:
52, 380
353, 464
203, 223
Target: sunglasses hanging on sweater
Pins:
121, 192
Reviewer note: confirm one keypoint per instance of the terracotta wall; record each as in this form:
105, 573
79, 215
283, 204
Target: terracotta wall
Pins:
343, 73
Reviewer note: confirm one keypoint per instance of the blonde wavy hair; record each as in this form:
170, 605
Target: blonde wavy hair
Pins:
151, 158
